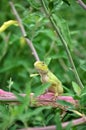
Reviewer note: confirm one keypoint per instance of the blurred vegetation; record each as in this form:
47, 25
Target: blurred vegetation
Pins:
16, 59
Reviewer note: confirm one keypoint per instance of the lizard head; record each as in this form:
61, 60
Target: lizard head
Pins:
41, 66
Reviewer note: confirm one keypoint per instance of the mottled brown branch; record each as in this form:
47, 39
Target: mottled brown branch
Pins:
82, 4
34, 52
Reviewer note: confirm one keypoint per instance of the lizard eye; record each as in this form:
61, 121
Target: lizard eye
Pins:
43, 63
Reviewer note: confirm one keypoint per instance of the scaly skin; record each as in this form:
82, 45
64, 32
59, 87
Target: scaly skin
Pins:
48, 77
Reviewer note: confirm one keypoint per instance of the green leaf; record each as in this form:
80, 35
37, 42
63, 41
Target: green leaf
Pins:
57, 5
64, 103
66, 1
76, 88
51, 5
83, 92
82, 127
41, 89
82, 98
58, 122
83, 67
68, 127
12, 66
35, 4
63, 27
48, 60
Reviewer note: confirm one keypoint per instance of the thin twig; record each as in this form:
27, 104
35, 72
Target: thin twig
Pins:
64, 44
82, 4
34, 52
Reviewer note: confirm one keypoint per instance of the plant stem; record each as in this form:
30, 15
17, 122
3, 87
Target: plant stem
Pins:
64, 44
34, 52
82, 4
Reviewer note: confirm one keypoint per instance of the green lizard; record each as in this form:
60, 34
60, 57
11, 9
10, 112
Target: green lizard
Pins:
48, 77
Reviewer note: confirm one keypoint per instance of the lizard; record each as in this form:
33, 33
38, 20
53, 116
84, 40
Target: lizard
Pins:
56, 86
48, 77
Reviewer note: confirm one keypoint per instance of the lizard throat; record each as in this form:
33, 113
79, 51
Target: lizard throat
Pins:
44, 78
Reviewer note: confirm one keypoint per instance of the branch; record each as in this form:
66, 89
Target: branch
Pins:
82, 4
23, 31
42, 100
73, 122
64, 44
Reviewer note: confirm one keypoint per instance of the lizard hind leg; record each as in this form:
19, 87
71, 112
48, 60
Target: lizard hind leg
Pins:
56, 95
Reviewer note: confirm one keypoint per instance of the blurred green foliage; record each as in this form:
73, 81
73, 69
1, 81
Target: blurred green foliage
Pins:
16, 59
